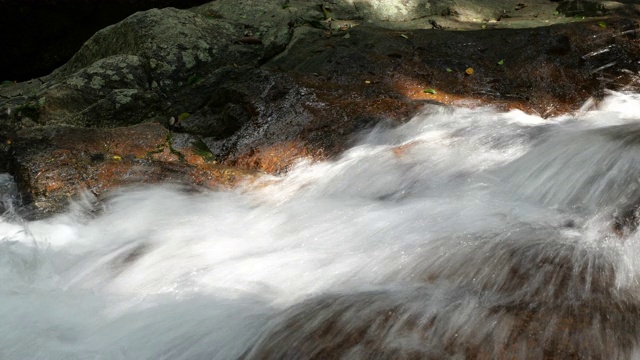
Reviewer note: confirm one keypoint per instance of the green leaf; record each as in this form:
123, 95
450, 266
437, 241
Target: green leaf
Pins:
318, 24
326, 12
404, 36
501, 62
183, 116
556, 13
602, 24
201, 149
194, 79
449, 69
429, 91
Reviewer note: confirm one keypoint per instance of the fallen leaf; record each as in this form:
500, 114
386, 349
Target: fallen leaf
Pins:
117, 158
194, 79
326, 11
318, 25
501, 62
404, 36
449, 70
602, 24
367, 81
469, 71
429, 91
183, 116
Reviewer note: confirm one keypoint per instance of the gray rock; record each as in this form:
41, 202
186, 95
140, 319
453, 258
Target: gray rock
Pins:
258, 108
269, 21
172, 43
148, 65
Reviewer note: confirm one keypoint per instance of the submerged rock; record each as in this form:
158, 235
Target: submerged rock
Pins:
513, 295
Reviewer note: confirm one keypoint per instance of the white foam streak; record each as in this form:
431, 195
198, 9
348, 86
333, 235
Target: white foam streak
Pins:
166, 274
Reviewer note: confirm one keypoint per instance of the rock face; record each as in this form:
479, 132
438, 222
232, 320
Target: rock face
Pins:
141, 68
52, 164
51, 31
257, 85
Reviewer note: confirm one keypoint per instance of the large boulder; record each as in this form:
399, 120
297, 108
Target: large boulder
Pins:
39, 36
143, 67
260, 84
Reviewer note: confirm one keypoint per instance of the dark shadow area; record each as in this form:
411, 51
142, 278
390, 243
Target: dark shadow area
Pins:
38, 36
583, 8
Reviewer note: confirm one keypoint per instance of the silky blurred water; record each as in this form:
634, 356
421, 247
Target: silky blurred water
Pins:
448, 217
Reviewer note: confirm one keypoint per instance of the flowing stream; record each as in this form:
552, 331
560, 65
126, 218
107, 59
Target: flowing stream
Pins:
464, 234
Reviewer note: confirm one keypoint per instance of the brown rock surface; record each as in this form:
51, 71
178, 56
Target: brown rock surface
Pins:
53, 164
304, 90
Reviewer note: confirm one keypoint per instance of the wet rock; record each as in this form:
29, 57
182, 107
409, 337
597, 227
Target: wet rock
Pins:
191, 148
54, 164
429, 324
255, 109
260, 85
544, 69
267, 120
534, 299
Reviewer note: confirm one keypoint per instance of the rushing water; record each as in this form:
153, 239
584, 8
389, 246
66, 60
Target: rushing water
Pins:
465, 233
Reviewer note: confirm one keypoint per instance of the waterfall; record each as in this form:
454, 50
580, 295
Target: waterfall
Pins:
464, 233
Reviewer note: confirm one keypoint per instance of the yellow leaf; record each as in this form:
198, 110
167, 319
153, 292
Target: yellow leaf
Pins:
117, 158
469, 71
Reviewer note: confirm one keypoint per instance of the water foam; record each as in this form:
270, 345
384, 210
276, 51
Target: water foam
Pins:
429, 218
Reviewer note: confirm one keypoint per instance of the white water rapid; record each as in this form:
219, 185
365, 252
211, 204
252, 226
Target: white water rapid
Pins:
465, 233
